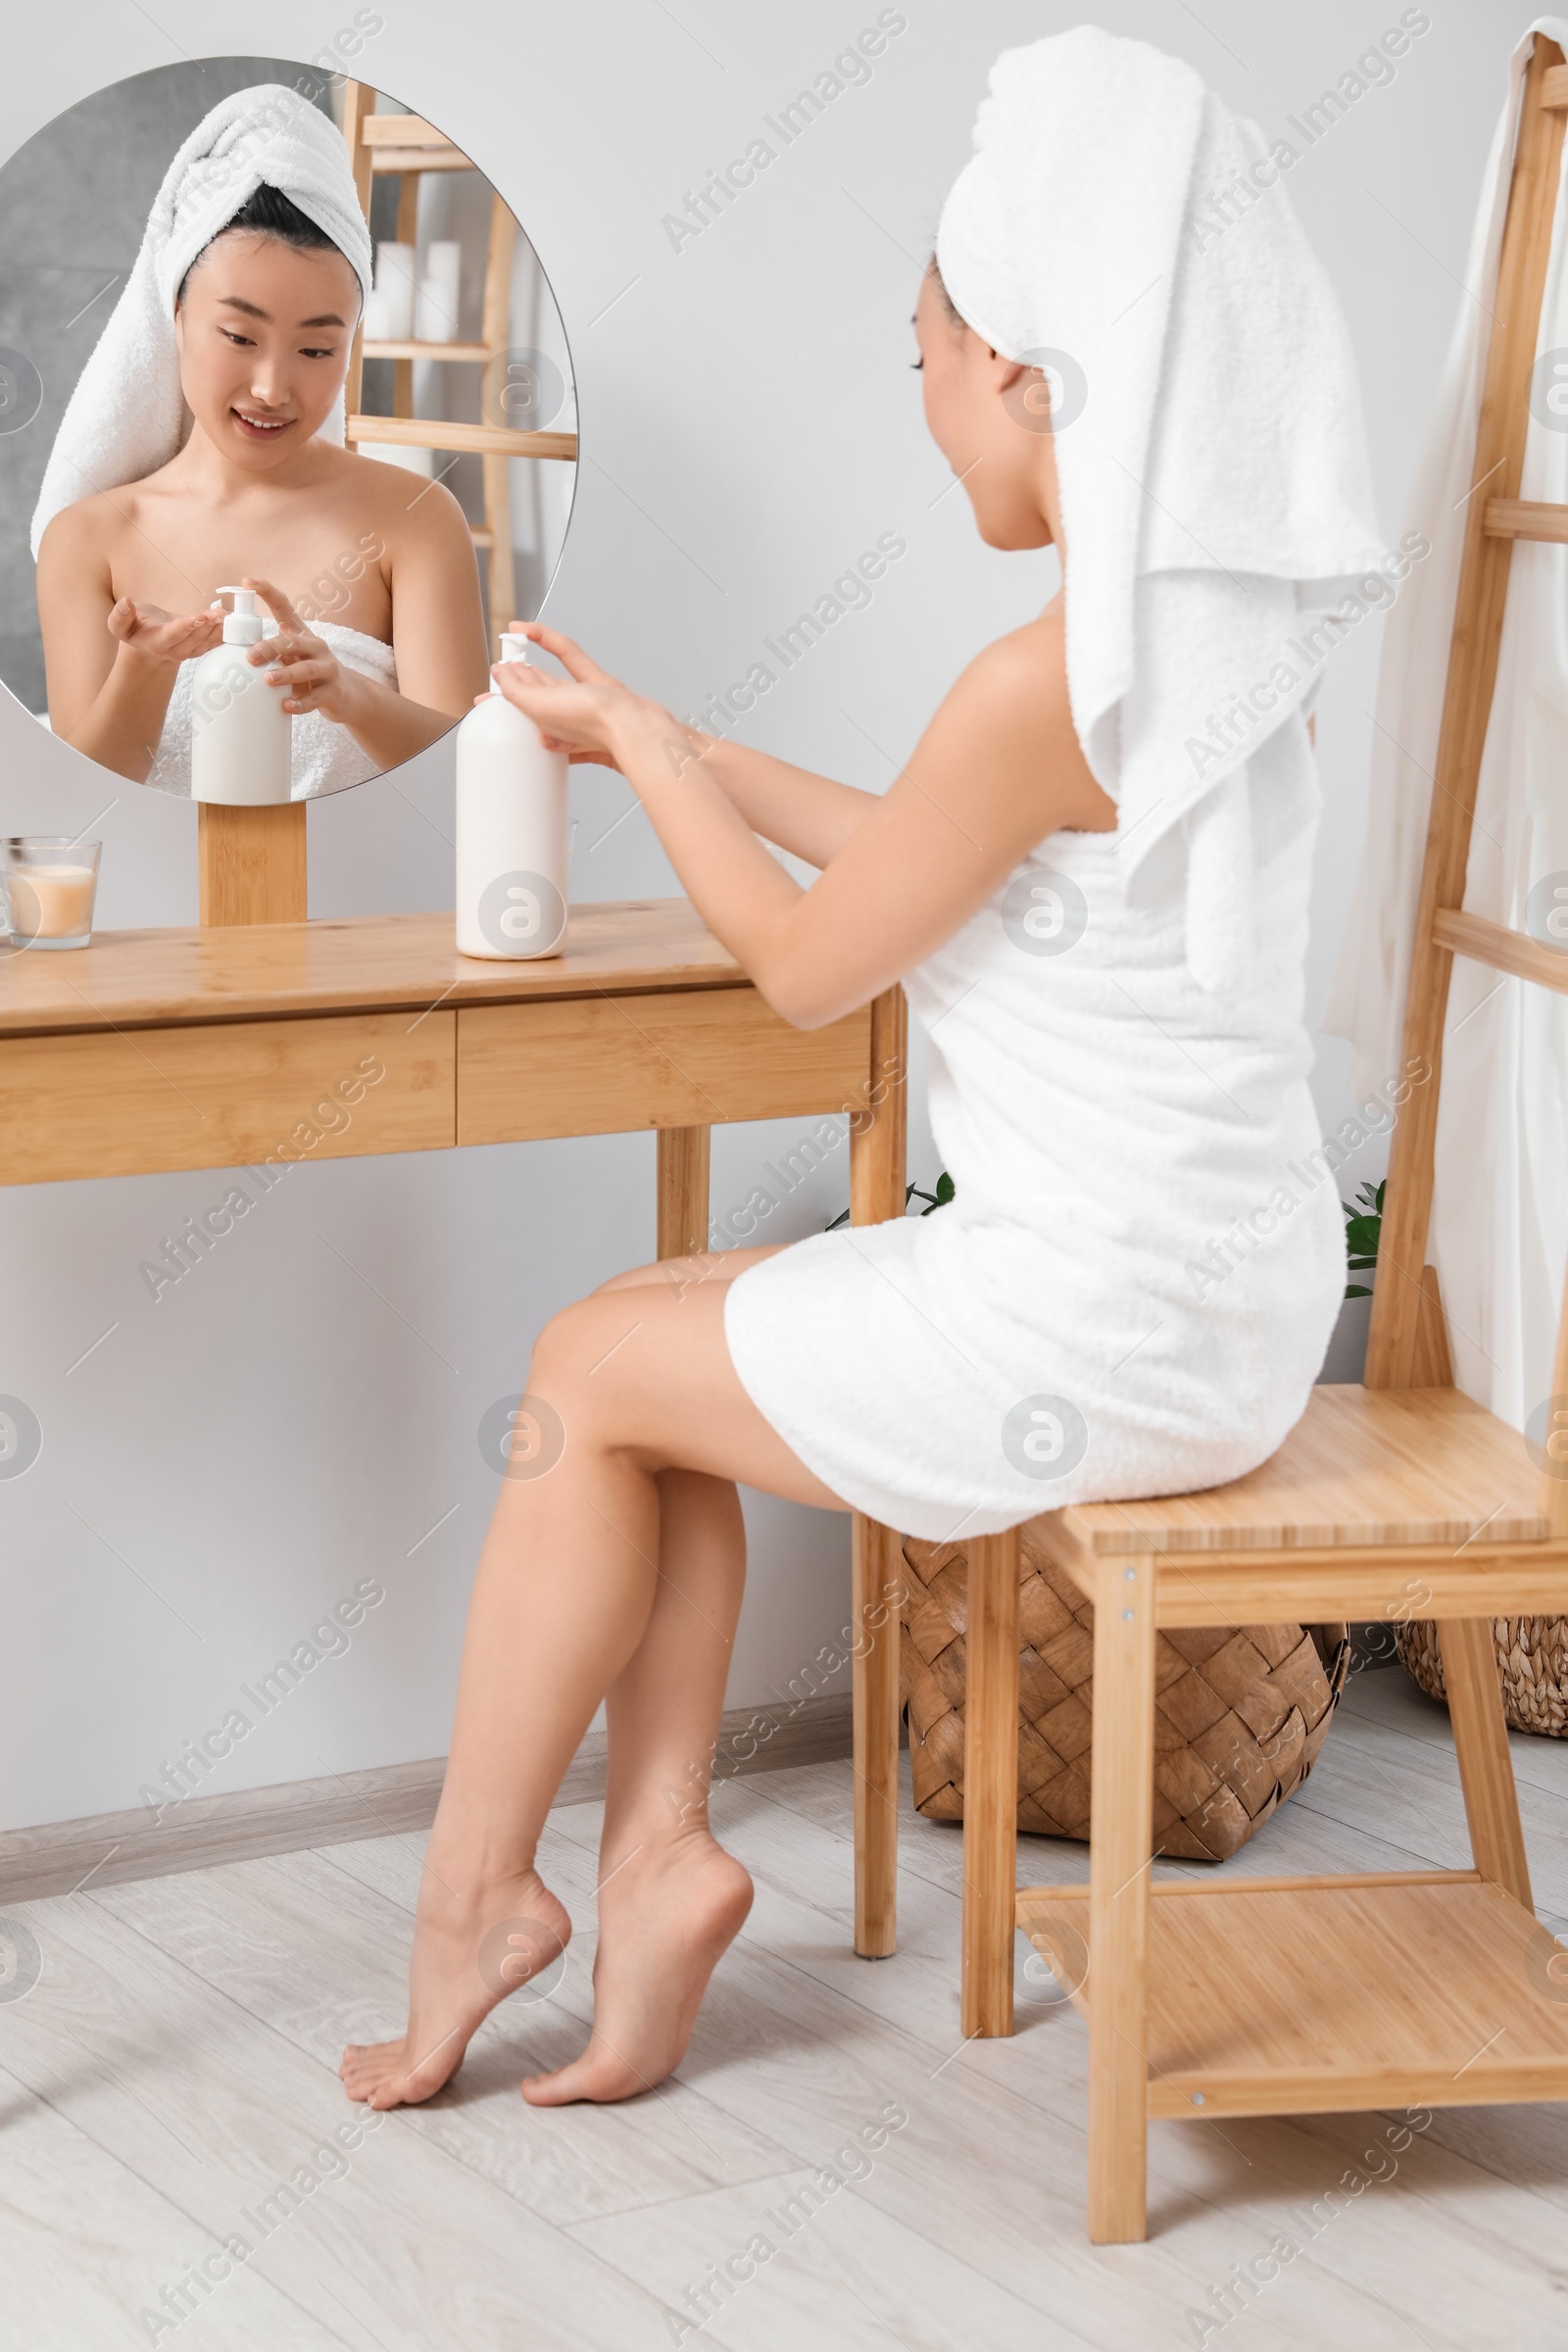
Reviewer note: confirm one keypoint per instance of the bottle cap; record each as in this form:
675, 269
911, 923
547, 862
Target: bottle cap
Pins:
244, 625
514, 648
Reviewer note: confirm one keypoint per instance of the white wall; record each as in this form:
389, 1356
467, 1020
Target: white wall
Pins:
227, 1463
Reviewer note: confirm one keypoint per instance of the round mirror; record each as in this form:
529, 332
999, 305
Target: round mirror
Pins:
287, 430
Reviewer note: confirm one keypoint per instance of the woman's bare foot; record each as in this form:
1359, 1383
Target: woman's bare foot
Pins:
469, 1954
664, 1918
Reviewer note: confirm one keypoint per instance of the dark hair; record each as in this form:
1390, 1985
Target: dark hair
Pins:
948, 302
268, 212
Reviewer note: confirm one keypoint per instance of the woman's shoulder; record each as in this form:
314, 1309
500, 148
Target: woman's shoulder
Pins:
1014, 708
1031, 659
404, 505
88, 530
1020, 678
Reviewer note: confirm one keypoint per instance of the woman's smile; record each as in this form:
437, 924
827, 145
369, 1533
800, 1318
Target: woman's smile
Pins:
256, 426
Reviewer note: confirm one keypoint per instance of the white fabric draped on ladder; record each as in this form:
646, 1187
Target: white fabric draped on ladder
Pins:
1499, 1226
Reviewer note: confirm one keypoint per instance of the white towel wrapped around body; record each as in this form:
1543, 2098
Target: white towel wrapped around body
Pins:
127, 415
1135, 1286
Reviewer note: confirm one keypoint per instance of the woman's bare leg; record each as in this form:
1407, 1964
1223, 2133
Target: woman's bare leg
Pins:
564, 1601
666, 1886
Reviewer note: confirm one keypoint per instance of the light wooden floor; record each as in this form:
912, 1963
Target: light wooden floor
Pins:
176, 2062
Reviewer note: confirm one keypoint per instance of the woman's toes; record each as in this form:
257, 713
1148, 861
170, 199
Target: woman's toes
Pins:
366, 2067
593, 2076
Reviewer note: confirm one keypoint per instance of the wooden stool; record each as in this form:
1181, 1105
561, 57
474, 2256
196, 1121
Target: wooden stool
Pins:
1280, 1996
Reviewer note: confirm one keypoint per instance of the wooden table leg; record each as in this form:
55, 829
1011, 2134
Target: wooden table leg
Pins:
683, 1163
877, 1573
1121, 1817
251, 862
991, 1782
876, 1192
1481, 1742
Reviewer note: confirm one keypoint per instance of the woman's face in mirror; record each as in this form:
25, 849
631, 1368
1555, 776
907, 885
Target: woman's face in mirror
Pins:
265, 330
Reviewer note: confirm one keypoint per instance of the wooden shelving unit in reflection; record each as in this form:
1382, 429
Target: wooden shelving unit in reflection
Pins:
408, 146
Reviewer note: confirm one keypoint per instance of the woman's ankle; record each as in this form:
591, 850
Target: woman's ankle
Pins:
653, 1841
464, 1875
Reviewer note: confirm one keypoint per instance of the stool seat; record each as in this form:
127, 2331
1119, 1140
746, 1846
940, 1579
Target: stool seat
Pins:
1403, 1466
1386, 1504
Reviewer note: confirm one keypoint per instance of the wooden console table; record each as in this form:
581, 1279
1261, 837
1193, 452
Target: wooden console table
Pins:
207, 1047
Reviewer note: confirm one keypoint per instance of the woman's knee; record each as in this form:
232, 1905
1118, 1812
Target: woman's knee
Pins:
609, 1365
683, 1274
633, 1279
564, 1351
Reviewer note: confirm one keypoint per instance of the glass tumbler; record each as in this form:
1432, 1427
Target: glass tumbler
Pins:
49, 883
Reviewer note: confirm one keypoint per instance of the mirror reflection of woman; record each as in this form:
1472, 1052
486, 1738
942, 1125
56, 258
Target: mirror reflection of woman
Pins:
368, 573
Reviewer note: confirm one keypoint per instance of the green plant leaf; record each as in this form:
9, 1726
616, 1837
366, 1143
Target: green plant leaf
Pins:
946, 1191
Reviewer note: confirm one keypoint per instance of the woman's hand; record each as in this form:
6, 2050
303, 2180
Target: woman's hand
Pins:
151, 634
296, 657
586, 714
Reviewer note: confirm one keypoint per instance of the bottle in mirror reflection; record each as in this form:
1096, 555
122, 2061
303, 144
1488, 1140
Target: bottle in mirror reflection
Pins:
241, 735
512, 839
49, 883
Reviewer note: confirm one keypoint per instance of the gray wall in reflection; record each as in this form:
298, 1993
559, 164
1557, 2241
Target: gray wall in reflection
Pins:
74, 204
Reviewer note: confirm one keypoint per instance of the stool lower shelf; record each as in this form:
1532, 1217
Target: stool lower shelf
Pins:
1296, 1997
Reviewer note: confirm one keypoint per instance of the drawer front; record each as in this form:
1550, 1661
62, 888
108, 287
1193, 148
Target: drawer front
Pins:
130, 1102
601, 1066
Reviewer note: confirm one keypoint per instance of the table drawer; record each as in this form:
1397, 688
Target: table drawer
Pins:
128, 1102
601, 1066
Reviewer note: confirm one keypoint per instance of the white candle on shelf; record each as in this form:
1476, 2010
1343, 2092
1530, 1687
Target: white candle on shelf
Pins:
438, 310
440, 290
393, 280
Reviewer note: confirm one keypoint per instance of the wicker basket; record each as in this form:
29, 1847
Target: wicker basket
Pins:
1532, 1659
1240, 1715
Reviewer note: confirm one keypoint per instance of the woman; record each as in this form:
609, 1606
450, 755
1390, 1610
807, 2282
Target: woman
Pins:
378, 628
1117, 1054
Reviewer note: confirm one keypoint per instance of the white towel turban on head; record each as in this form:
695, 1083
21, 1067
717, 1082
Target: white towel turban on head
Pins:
127, 415
1117, 227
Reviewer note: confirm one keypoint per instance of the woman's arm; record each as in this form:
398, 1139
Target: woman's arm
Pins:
996, 771
810, 815
110, 666
437, 614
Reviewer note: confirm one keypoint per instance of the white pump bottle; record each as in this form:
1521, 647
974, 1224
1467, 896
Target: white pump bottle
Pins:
514, 845
240, 734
